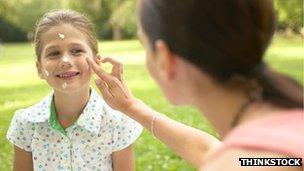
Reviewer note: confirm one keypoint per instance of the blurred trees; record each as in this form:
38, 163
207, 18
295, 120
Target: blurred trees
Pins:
23, 15
290, 15
123, 19
114, 19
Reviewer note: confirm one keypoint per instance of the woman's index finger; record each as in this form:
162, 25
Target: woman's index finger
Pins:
99, 71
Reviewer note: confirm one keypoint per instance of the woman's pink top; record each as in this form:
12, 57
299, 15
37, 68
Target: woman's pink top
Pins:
279, 133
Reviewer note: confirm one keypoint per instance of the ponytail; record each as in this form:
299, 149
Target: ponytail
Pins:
280, 89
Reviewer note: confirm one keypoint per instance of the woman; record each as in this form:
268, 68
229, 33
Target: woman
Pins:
209, 54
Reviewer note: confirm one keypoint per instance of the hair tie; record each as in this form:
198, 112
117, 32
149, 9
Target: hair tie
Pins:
259, 67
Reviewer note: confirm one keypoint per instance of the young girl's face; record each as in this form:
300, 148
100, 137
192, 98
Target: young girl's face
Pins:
63, 58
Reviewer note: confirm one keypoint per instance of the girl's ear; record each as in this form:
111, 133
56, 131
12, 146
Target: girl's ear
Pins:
39, 70
97, 59
166, 62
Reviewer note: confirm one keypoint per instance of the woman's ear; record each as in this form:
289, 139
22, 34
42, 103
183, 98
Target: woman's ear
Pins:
39, 70
166, 60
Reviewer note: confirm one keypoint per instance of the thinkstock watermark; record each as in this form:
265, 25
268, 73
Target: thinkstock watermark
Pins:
270, 161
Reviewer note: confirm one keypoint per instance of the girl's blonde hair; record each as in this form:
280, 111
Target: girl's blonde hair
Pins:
58, 17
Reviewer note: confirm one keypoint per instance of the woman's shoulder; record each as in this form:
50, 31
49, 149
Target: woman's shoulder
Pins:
232, 159
280, 133
282, 123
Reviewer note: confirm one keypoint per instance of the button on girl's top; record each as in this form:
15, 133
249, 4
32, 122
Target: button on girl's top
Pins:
86, 145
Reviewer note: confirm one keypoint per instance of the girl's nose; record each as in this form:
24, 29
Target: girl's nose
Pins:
65, 62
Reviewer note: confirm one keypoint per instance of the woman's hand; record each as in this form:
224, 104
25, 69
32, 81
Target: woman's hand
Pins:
112, 86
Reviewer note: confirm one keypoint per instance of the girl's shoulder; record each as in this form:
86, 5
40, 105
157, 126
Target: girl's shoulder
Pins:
97, 103
25, 121
98, 108
38, 112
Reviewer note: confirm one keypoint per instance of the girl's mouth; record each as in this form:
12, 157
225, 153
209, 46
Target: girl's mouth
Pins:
67, 75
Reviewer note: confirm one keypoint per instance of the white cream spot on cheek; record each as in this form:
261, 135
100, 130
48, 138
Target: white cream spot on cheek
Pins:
46, 73
64, 85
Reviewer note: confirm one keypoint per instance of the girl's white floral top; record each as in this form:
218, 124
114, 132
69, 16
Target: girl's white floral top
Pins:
87, 145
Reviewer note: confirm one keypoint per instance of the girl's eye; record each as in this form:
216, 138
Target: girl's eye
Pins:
76, 52
53, 54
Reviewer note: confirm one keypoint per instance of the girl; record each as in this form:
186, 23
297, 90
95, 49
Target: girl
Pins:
72, 128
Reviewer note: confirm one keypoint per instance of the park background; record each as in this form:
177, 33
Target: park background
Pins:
115, 22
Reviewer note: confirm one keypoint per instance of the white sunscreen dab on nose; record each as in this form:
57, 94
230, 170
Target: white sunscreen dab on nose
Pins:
65, 59
46, 73
64, 85
61, 36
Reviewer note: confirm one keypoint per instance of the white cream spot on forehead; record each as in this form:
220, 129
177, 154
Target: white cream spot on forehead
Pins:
61, 36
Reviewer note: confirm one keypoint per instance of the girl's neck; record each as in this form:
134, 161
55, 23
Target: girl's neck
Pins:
70, 105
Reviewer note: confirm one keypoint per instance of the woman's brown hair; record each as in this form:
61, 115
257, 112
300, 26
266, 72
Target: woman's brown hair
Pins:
225, 38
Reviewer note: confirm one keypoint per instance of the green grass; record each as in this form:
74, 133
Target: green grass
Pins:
20, 87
